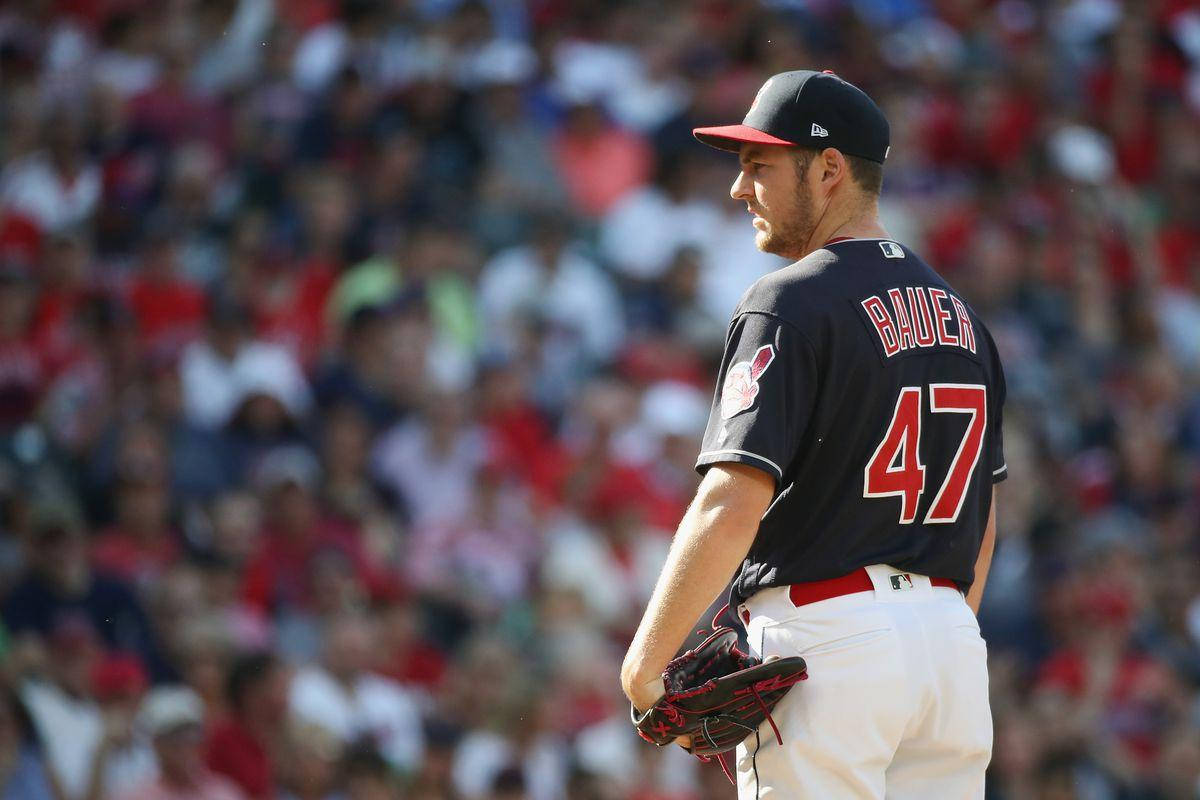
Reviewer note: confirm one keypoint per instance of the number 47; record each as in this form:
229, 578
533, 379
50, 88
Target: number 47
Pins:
895, 469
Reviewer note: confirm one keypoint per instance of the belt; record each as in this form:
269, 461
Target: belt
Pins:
801, 594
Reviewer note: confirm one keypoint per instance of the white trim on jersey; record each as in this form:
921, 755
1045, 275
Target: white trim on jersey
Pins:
1001, 469
741, 453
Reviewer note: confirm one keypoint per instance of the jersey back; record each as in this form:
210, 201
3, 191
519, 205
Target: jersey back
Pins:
872, 394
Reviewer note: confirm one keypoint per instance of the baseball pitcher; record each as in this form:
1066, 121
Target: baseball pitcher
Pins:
848, 466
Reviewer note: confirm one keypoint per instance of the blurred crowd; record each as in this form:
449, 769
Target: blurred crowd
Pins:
354, 356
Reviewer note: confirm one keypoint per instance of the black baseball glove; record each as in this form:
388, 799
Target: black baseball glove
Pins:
718, 695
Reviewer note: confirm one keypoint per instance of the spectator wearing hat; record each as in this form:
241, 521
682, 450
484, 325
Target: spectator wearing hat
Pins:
173, 718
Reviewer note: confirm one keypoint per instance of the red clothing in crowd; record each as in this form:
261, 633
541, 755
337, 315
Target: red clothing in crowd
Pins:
280, 573
599, 168
169, 313
22, 378
231, 751
290, 309
119, 553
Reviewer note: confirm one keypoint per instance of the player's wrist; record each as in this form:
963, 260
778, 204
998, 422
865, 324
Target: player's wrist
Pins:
645, 693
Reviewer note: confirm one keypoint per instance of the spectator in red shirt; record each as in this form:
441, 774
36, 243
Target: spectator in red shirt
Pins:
599, 162
140, 544
170, 310
242, 746
280, 577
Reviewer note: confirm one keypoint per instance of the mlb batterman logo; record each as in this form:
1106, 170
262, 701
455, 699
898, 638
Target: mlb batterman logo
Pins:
741, 382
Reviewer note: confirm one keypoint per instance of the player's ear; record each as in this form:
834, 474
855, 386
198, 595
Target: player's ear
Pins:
833, 166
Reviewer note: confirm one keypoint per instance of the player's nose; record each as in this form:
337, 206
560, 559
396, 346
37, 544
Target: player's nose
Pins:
741, 188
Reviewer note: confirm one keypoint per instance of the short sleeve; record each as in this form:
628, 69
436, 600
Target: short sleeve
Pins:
998, 463
764, 397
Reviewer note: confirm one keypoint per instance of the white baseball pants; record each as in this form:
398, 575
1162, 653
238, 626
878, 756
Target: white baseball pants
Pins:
896, 704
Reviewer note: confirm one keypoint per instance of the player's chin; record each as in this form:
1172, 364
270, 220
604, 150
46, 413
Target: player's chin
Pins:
768, 243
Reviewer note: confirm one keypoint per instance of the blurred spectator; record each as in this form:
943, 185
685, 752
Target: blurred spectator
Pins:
173, 718
245, 745
362, 375
599, 162
368, 775
429, 461
227, 367
310, 763
140, 545
24, 773
84, 712
346, 699
56, 187
550, 285
169, 309
281, 576
61, 588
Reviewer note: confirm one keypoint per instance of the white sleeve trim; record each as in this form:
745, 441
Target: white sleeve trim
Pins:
1002, 469
707, 453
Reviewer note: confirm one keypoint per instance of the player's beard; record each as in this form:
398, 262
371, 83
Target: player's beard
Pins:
789, 230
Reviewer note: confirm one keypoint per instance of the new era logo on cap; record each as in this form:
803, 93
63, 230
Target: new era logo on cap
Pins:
817, 130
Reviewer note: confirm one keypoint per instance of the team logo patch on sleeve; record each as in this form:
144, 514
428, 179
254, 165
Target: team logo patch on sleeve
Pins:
741, 382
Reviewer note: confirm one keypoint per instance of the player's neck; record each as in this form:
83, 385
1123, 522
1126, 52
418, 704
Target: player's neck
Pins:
861, 223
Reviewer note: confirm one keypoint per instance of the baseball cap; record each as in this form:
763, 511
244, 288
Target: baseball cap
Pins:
808, 109
169, 708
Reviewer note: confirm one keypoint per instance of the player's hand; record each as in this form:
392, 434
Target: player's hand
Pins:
645, 694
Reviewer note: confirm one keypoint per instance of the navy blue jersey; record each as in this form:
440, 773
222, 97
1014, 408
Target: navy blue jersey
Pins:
872, 394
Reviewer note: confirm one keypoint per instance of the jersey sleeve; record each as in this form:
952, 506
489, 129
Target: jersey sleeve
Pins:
764, 397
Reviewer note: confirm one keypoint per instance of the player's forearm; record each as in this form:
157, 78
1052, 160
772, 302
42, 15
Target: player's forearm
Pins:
713, 538
983, 562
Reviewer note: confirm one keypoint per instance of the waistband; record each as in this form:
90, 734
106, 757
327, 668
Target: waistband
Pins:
866, 579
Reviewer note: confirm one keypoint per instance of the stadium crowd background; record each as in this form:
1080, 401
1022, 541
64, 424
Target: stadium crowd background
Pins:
354, 356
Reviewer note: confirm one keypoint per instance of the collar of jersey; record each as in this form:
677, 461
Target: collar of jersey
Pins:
840, 239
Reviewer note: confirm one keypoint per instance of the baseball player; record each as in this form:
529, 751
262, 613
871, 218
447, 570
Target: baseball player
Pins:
848, 466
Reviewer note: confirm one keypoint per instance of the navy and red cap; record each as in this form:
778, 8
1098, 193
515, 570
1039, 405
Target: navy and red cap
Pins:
808, 109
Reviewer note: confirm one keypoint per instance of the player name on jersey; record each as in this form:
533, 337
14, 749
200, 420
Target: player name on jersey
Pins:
918, 316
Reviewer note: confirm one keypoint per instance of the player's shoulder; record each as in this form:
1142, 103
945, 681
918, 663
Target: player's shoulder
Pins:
793, 292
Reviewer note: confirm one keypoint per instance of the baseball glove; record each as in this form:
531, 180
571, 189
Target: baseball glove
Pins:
718, 695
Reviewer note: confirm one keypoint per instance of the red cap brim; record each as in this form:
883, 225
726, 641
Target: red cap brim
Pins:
731, 137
